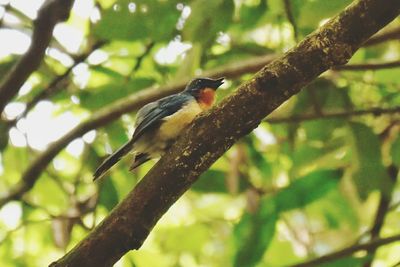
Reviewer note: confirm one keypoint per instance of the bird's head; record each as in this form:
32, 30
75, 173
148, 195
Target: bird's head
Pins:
203, 89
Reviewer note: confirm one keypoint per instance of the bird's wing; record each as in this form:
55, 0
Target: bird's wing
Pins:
151, 114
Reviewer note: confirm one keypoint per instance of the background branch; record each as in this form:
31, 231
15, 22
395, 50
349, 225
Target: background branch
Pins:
214, 132
113, 112
349, 251
369, 66
386, 35
52, 12
54, 87
383, 209
137, 100
290, 17
341, 114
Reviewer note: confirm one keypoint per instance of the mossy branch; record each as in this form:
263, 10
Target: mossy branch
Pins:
211, 134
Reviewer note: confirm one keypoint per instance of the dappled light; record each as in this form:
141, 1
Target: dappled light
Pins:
297, 164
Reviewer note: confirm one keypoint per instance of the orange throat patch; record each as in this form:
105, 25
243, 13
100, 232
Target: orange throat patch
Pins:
207, 98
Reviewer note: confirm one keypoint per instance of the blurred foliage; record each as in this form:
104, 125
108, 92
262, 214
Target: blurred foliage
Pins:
290, 191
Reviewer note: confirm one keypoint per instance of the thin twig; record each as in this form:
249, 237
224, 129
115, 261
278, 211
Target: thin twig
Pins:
140, 58
54, 85
113, 112
129, 104
341, 114
397, 264
6, 8
368, 66
126, 228
383, 209
387, 35
51, 13
290, 17
349, 251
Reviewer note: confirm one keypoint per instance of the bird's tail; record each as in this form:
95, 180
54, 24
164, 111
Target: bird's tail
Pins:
112, 159
140, 158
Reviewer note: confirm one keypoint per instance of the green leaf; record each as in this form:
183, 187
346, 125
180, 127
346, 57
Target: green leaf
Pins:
117, 134
250, 14
207, 19
142, 19
258, 160
211, 181
48, 194
368, 171
395, 152
388, 76
254, 233
98, 97
314, 155
108, 72
312, 12
175, 239
108, 194
307, 189
214, 181
326, 96
349, 261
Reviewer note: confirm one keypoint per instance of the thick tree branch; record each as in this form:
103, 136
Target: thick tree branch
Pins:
51, 13
129, 104
113, 112
137, 100
212, 133
341, 114
349, 251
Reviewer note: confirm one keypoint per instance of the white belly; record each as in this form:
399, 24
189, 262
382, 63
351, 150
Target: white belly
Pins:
175, 123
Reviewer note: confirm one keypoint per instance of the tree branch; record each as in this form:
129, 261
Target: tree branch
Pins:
6, 8
349, 251
51, 13
383, 209
214, 132
53, 87
140, 58
290, 17
369, 66
388, 35
341, 114
113, 112
137, 100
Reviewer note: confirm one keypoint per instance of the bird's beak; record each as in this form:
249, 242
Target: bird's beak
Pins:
214, 84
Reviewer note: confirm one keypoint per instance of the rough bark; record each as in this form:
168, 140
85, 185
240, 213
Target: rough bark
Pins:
51, 13
214, 132
113, 112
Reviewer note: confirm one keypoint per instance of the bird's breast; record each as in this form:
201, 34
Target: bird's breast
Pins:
174, 124
207, 98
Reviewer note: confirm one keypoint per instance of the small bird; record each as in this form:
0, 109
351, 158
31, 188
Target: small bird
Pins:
159, 123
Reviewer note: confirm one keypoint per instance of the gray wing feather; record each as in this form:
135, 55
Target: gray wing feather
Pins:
151, 114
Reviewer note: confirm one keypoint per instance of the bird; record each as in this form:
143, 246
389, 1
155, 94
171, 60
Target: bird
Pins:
159, 123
